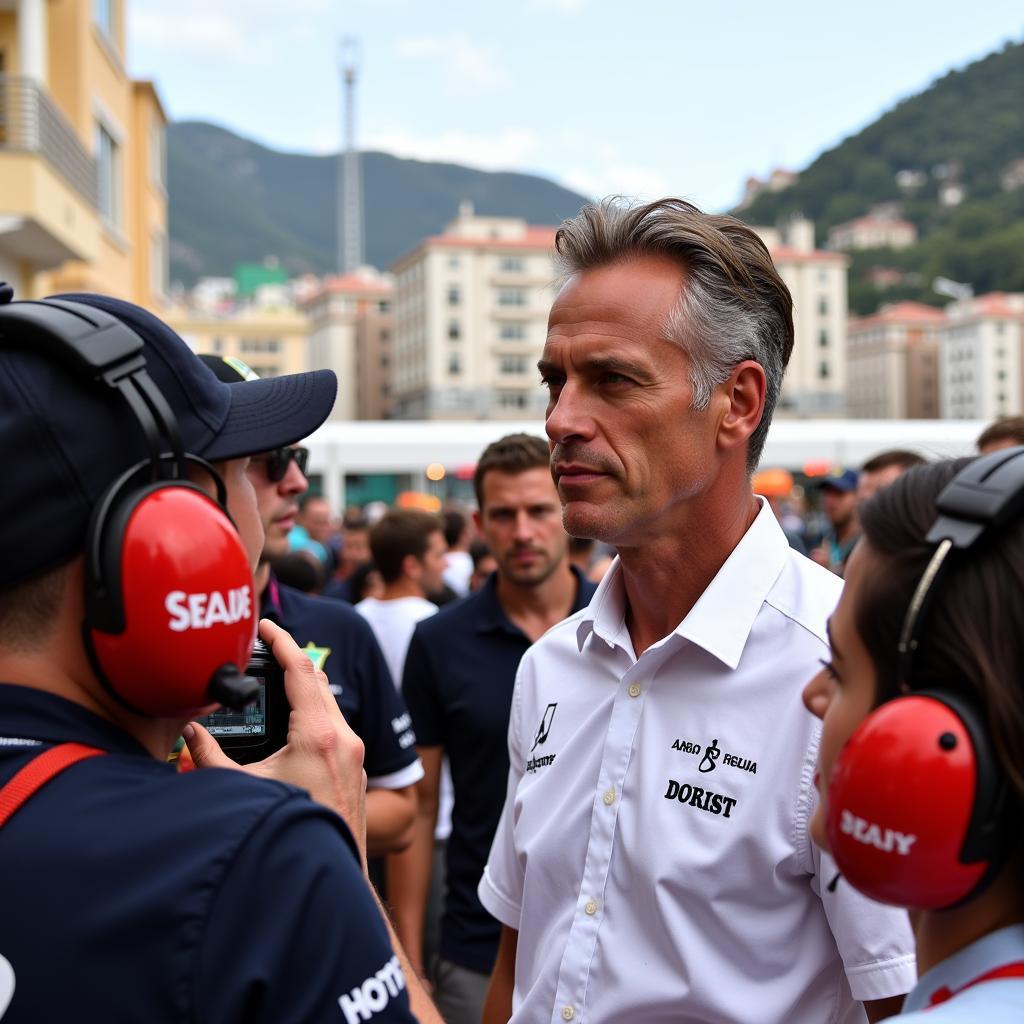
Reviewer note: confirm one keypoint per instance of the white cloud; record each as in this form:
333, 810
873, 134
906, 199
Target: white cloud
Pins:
508, 150
616, 178
562, 6
465, 61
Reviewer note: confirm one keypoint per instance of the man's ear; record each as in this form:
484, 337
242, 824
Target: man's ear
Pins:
412, 567
744, 394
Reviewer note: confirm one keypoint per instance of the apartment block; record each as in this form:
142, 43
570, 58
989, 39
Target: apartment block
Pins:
815, 381
83, 185
981, 362
471, 308
351, 332
892, 363
269, 334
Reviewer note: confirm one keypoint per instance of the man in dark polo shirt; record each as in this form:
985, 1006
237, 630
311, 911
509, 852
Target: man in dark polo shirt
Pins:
339, 642
458, 680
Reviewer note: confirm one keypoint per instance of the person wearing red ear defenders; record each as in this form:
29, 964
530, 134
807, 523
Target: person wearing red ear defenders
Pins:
922, 749
131, 530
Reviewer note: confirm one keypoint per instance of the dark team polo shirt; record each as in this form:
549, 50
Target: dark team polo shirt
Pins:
459, 674
132, 893
341, 644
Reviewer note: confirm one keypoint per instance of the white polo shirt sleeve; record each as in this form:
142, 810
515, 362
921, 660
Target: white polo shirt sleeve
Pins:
501, 885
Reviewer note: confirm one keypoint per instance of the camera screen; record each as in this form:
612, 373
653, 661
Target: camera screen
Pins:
250, 721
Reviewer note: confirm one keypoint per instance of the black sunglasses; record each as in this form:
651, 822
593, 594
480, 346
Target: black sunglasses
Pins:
277, 459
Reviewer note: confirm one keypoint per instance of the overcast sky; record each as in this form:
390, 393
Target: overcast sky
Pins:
631, 96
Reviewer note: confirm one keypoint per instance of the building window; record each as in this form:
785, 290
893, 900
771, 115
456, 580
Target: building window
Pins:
511, 331
453, 263
453, 295
512, 364
512, 399
104, 13
385, 336
268, 370
261, 345
108, 169
511, 265
823, 306
454, 364
159, 263
217, 346
454, 330
384, 306
385, 362
823, 339
823, 370
511, 297
158, 155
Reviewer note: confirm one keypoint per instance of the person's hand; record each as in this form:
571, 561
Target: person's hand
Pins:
323, 755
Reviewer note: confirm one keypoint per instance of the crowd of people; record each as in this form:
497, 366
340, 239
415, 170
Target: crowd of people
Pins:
563, 735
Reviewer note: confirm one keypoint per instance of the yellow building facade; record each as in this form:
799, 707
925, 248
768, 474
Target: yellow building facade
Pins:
271, 341
83, 181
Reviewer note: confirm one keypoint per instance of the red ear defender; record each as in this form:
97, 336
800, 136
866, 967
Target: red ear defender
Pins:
173, 602
909, 805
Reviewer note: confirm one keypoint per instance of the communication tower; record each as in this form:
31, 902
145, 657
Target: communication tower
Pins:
350, 191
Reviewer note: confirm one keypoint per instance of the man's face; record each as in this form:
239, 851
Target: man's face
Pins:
277, 503
316, 518
356, 548
627, 451
520, 519
433, 564
839, 506
869, 484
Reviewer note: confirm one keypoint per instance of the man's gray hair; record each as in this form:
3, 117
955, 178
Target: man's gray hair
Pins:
733, 306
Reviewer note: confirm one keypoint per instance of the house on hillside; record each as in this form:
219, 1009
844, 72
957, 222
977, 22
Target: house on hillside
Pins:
880, 228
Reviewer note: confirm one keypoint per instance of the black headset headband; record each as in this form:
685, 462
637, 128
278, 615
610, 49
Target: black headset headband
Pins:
93, 344
983, 497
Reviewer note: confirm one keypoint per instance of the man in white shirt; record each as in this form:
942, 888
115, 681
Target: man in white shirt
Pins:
409, 551
653, 861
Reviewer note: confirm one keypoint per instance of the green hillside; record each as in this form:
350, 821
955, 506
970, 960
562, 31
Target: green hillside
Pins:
232, 201
967, 128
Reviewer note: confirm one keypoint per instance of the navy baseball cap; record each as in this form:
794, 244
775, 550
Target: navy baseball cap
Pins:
840, 479
66, 438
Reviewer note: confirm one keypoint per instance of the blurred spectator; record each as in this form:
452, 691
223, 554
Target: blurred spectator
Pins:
484, 563
408, 548
458, 534
1006, 432
839, 503
355, 550
299, 569
881, 469
314, 530
365, 581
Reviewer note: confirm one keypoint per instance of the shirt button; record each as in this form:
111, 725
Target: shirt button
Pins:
634, 689
568, 1013
591, 908
609, 797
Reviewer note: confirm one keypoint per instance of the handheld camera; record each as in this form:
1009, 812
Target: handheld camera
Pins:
260, 728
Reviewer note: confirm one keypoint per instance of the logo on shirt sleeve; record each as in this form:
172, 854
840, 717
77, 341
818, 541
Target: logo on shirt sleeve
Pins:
543, 731
374, 994
545, 726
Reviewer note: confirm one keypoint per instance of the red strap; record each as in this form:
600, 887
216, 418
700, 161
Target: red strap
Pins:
37, 773
944, 994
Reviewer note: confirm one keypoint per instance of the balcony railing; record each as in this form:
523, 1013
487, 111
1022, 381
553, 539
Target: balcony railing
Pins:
31, 123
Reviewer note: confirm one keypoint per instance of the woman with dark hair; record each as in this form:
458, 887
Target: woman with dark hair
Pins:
922, 747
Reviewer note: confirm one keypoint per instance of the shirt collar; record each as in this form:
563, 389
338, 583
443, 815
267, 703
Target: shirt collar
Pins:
1000, 947
27, 713
491, 616
721, 620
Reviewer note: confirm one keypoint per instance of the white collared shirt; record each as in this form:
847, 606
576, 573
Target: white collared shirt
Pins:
653, 851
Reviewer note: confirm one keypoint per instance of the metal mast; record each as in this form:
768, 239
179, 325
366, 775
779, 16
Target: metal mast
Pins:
350, 192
